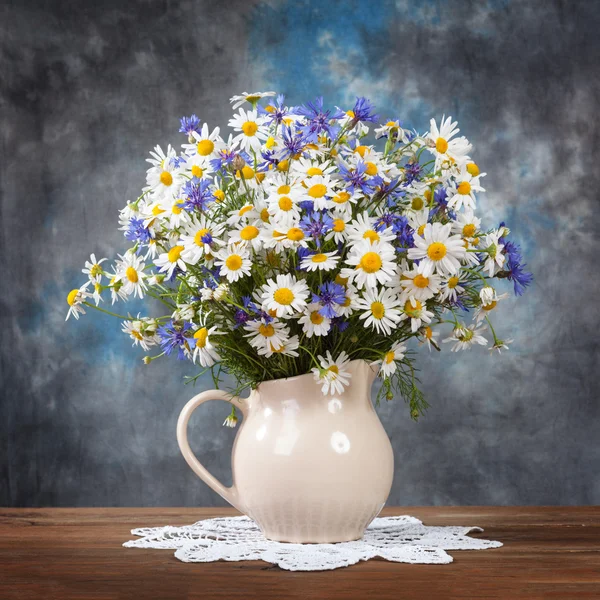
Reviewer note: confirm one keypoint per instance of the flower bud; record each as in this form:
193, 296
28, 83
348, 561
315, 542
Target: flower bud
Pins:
238, 163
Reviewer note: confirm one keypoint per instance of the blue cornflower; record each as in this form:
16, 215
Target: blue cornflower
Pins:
316, 225
318, 121
293, 143
330, 294
137, 231
275, 111
189, 125
241, 317
440, 201
197, 194
362, 112
341, 323
356, 177
271, 160
302, 253
225, 158
173, 335
412, 172
404, 233
516, 273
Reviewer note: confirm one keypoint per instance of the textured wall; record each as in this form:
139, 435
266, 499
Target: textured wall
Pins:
87, 88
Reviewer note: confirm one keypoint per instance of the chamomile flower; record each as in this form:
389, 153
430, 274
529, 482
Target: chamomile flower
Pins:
130, 272
380, 309
283, 203
363, 228
204, 351
252, 130
200, 237
429, 337
319, 189
464, 337
305, 168
177, 215
441, 143
206, 144
371, 263
321, 261
450, 288
142, 331
93, 269
494, 256
234, 262
75, 299
338, 231
462, 191
313, 322
332, 374
418, 286
252, 98
439, 250
489, 301
247, 213
284, 295
247, 235
394, 355
265, 333
417, 312
163, 177
169, 261
287, 347
466, 224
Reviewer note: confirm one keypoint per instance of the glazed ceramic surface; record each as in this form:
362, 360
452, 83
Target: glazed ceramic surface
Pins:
306, 467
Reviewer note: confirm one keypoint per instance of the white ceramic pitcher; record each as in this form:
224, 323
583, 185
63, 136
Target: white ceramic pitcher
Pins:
306, 467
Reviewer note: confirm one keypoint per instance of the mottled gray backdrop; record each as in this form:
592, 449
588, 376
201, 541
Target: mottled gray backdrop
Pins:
86, 89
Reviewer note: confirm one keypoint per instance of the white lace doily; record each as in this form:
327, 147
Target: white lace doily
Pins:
398, 539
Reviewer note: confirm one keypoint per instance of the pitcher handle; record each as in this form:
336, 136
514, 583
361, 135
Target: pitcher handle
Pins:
228, 493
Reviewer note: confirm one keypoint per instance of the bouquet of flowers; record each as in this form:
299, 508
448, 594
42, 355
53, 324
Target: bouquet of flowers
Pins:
298, 244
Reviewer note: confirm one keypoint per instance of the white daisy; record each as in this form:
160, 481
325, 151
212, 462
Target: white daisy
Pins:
142, 331
462, 191
287, 347
338, 231
247, 235
252, 130
319, 189
466, 224
450, 288
372, 263
168, 261
363, 228
441, 143
93, 269
331, 374
464, 337
488, 303
440, 251
390, 358
278, 236
203, 350
164, 176
418, 286
234, 262
201, 237
380, 309
313, 322
75, 299
175, 212
246, 213
262, 335
252, 98
206, 144
130, 272
417, 312
429, 337
284, 295
321, 261
494, 258
309, 167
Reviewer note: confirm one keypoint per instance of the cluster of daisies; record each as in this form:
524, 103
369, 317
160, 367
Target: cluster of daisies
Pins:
299, 242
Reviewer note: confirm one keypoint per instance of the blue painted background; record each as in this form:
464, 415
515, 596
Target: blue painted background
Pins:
87, 90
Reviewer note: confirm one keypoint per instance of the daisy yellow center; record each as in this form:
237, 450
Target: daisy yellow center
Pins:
283, 296
314, 171
283, 189
370, 262
174, 253
317, 191
361, 150
334, 369
338, 225
378, 310
71, 297
219, 195
472, 169
341, 280
371, 169
132, 275
391, 124
389, 357
201, 336
420, 281
283, 165
316, 318
341, 198
198, 237
197, 171
264, 215
157, 210
177, 208
436, 251
285, 203
464, 188
233, 262
270, 142
417, 203
452, 282
346, 302
166, 178
295, 234
247, 172
319, 258
245, 209
428, 332
249, 128
441, 145
253, 97
267, 330
371, 235
413, 311
249, 232
350, 113
260, 177
421, 229
137, 335
205, 147
490, 306
96, 270
469, 230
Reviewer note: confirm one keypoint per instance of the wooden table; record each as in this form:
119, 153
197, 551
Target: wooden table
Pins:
60, 554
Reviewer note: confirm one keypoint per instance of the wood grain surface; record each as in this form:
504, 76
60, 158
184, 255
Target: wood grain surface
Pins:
59, 553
